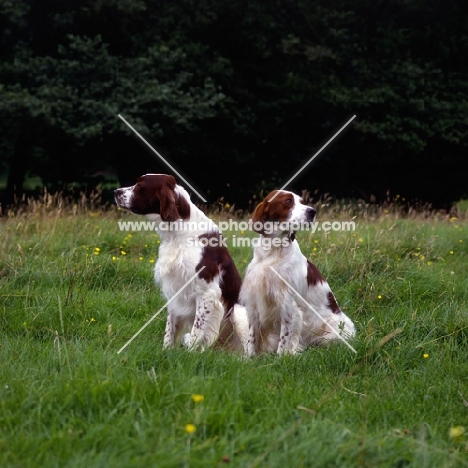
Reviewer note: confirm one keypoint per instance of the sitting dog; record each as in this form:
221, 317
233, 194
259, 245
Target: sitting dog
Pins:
194, 267
289, 304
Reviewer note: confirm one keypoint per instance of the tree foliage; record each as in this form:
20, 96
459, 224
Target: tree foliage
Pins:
238, 95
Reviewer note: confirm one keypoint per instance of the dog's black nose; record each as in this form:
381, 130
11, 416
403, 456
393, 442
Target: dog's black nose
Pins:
311, 213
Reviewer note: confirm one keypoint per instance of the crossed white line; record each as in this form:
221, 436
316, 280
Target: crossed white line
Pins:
196, 274
287, 183
312, 309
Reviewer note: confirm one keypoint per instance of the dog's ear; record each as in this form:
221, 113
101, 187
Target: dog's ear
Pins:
182, 206
168, 209
172, 205
259, 216
265, 211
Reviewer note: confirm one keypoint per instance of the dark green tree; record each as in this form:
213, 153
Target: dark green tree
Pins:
238, 95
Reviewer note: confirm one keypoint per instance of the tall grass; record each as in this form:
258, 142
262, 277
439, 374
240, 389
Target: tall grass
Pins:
74, 289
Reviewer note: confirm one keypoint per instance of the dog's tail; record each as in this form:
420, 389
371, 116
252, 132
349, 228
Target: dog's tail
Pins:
240, 323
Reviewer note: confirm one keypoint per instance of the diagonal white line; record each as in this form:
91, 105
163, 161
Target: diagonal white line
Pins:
312, 158
313, 310
160, 310
167, 163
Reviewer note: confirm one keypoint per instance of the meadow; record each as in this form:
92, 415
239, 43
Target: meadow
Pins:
74, 289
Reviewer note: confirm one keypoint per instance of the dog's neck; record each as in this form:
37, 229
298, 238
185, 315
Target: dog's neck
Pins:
196, 224
272, 245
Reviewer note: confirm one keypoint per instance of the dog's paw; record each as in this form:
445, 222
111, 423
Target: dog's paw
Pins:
189, 342
186, 341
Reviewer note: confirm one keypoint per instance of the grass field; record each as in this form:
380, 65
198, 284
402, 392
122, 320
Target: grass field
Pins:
74, 289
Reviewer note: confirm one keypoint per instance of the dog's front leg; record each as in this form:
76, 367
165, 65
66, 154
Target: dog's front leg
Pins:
208, 317
174, 327
252, 341
258, 336
290, 331
170, 332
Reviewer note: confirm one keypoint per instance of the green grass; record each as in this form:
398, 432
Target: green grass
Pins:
74, 289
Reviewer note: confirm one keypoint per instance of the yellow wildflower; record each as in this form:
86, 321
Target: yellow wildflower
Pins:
197, 398
456, 432
190, 428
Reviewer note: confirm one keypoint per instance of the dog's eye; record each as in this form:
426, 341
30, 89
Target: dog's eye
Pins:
289, 201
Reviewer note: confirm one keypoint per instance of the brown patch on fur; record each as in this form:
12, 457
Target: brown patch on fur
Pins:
313, 274
154, 193
277, 210
217, 261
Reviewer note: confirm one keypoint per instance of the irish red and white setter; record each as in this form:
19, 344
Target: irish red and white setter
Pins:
289, 304
201, 312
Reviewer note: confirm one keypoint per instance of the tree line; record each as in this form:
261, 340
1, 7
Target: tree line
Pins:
237, 95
